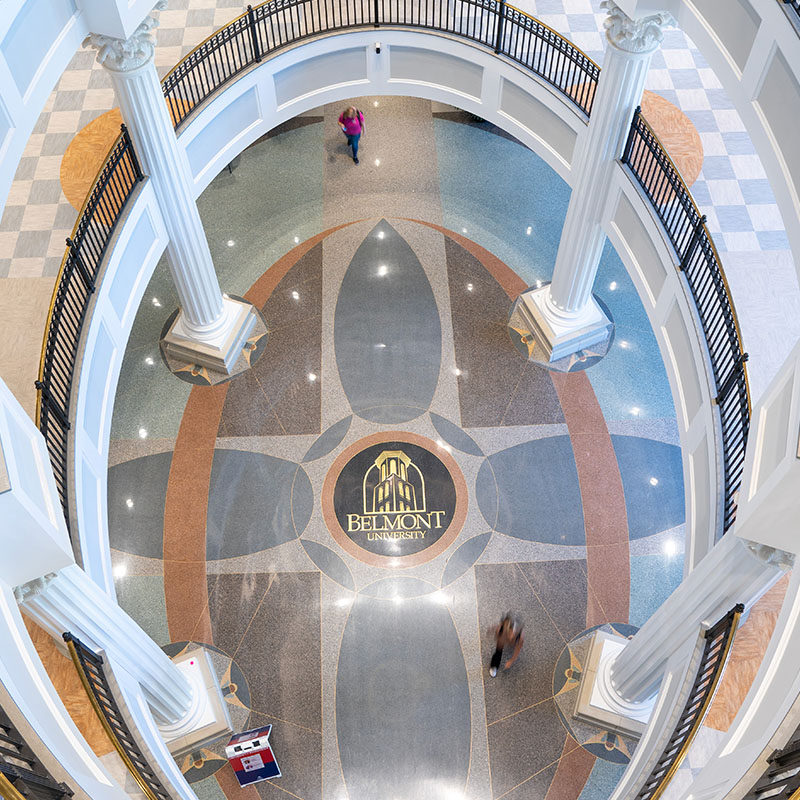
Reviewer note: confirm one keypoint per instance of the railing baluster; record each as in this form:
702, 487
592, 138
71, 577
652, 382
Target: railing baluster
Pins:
91, 672
697, 259
718, 642
76, 283
501, 14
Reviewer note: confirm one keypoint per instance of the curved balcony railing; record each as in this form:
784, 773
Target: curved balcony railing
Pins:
716, 648
781, 777
22, 775
698, 260
92, 674
265, 30
73, 291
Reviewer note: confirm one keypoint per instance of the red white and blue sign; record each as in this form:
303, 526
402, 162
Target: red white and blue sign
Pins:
250, 754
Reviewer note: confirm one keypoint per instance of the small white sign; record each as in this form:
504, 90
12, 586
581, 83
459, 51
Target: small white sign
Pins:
253, 762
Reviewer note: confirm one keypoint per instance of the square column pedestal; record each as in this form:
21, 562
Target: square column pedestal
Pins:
597, 703
219, 352
561, 337
209, 719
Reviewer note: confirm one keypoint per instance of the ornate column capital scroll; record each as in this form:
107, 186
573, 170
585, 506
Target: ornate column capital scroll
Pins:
32, 588
124, 55
771, 556
641, 35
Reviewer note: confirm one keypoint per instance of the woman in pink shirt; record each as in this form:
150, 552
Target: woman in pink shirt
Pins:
351, 121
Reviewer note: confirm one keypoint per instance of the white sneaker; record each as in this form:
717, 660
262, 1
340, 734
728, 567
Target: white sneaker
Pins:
493, 671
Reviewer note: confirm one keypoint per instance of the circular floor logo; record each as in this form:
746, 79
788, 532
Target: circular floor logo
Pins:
394, 499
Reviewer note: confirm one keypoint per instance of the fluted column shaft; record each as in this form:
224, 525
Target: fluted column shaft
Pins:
631, 45
138, 91
734, 571
70, 601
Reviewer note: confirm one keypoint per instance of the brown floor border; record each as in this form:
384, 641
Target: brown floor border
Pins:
605, 518
185, 509
572, 772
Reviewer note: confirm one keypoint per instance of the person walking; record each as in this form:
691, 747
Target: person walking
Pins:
507, 634
351, 121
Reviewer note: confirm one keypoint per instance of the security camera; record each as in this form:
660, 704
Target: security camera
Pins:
377, 47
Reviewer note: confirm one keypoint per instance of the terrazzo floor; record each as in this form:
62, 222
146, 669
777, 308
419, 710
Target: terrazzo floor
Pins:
243, 515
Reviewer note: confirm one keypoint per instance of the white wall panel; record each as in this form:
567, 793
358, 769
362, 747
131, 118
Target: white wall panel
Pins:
651, 265
121, 290
735, 23
223, 130
700, 474
37, 40
532, 114
681, 350
436, 69
33, 32
344, 67
779, 100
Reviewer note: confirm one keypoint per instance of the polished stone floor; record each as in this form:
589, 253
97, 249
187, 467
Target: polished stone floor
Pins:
386, 289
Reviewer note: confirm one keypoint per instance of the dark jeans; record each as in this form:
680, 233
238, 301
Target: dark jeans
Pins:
352, 140
496, 658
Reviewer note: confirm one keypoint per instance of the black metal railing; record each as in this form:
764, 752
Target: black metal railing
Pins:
781, 779
717, 646
698, 260
73, 291
271, 26
22, 774
90, 668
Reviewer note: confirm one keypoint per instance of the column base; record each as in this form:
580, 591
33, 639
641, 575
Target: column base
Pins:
598, 703
561, 336
208, 718
220, 352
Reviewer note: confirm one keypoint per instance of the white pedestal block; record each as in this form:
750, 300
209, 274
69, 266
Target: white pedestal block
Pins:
208, 718
562, 334
33, 535
598, 703
220, 350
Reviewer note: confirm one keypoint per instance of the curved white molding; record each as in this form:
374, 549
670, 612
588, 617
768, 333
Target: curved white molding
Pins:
31, 63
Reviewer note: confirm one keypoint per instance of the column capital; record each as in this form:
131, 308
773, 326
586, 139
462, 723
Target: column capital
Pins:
32, 588
642, 35
125, 55
770, 555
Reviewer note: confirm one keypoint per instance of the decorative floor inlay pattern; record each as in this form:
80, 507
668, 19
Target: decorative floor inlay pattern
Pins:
391, 400
394, 499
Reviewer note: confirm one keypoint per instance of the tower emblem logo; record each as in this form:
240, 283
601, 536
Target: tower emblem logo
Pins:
394, 491
394, 499
393, 496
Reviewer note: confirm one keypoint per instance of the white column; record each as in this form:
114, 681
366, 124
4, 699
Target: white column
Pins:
211, 328
70, 601
735, 571
564, 315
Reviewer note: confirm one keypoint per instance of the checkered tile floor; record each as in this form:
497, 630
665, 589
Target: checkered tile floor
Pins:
732, 188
